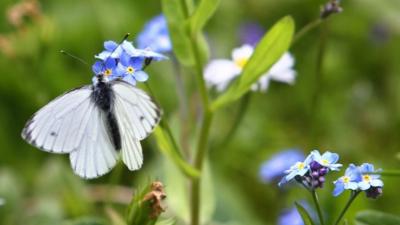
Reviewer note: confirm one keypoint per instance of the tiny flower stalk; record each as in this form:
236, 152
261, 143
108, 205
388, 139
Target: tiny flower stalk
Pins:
353, 196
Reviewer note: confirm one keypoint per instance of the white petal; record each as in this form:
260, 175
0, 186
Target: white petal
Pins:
220, 72
262, 84
282, 70
243, 52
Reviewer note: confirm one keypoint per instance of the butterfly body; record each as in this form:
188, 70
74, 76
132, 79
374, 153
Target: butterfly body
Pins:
103, 96
95, 124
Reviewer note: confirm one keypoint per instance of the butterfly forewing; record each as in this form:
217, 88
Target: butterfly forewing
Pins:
55, 128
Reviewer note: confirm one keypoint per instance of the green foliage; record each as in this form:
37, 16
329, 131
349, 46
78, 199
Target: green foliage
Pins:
202, 14
304, 214
373, 217
177, 15
180, 204
170, 149
272, 46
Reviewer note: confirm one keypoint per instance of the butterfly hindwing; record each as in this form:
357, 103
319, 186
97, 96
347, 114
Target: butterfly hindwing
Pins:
95, 155
137, 116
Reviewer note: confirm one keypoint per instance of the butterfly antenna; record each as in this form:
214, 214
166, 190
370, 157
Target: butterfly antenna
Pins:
74, 57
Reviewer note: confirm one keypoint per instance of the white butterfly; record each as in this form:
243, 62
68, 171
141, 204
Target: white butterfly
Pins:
93, 124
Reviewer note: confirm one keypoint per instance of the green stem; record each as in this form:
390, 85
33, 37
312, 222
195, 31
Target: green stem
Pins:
389, 173
244, 103
317, 206
206, 123
353, 196
307, 28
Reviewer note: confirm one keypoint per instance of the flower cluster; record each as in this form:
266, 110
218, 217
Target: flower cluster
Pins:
360, 178
220, 72
123, 61
311, 172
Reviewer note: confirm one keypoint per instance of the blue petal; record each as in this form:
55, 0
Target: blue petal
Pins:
120, 70
110, 63
110, 45
364, 185
97, 67
128, 47
141, 76
376, 183
331, 157
367, 168
278, 163
155, 35
125, 59
136, 63
103, 55
339, 188
130, 79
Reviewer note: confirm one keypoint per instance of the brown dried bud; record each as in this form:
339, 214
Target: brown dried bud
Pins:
155, 196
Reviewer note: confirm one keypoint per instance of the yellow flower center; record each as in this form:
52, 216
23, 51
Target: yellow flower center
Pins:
300, 166
346, 179
241, 62
107, 72
367, 178
130, 70
325, 162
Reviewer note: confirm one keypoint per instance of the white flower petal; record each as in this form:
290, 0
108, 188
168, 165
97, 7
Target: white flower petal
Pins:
220, 73
282, 70
243, 52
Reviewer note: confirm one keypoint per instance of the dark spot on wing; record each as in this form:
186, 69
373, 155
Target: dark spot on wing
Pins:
53, 133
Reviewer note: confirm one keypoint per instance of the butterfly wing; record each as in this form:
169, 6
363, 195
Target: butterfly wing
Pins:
57, 127
137, 116
95, 155
72, 123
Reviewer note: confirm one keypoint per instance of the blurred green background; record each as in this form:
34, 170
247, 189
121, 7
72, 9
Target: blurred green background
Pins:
352, 109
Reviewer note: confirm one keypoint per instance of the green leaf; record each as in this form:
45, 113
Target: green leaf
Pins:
180, 204
270, 49
373, 217
304, 214
202, 14
176, 16
169, 149
170, 221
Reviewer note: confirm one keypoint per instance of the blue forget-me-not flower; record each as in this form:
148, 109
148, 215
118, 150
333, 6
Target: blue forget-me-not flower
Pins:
349, 181
130, 69
361, 178
328, 159
124, 61
155, 36
299, 169
107, 68
274, 168
311, 173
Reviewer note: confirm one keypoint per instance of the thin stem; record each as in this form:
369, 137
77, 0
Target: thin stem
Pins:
353, 196
183, 107
389, 173
244, 103
318, 85
317, 206
307, 28
206, 123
